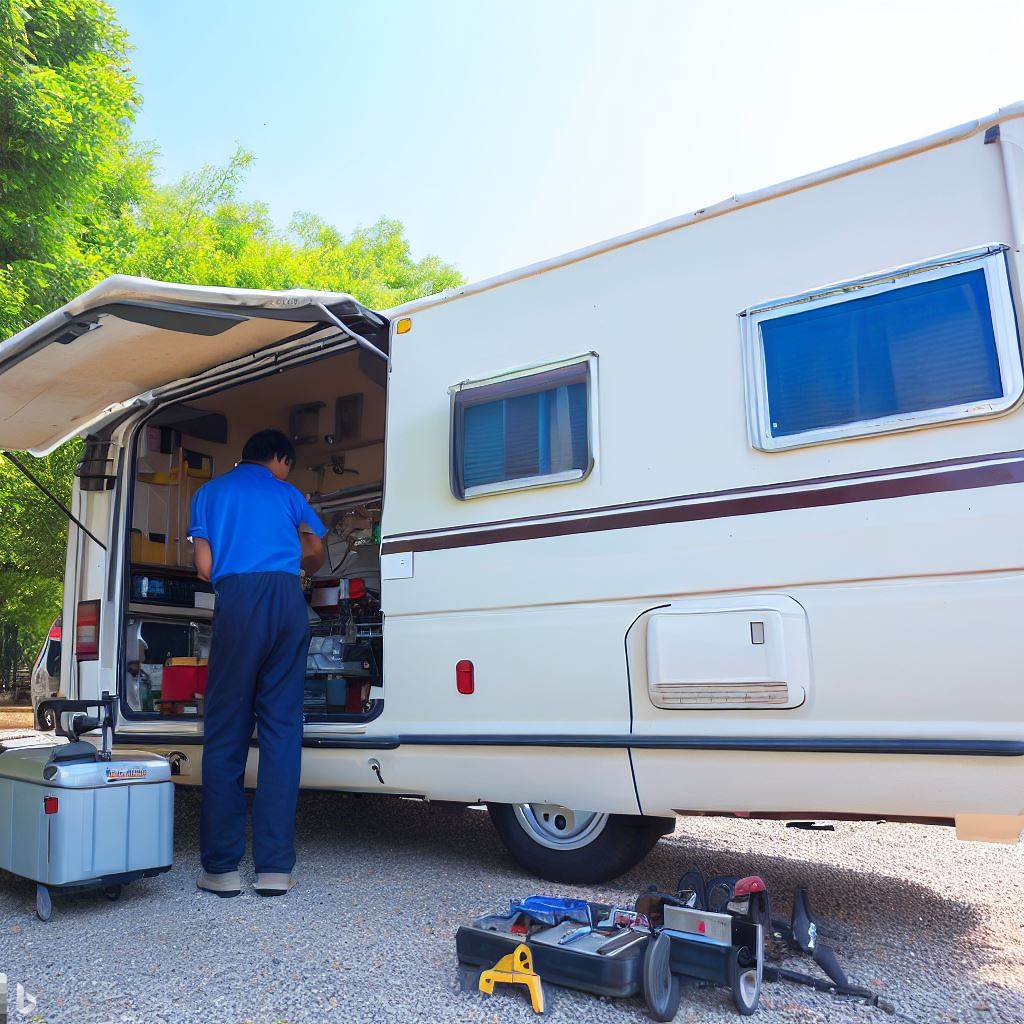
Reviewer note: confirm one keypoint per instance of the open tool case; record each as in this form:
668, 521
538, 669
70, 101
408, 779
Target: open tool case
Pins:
646, 950
584, 962
712, 932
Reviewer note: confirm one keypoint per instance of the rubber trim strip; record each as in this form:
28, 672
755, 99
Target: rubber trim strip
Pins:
771, 744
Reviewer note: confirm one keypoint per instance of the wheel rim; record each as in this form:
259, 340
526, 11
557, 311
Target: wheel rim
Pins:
560, 828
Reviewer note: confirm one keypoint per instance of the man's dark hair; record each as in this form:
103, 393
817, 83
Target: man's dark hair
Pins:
265, 444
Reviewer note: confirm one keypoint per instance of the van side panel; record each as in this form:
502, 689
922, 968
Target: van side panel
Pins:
911, 580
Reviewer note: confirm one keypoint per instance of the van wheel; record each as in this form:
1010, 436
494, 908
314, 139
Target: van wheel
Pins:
566, 845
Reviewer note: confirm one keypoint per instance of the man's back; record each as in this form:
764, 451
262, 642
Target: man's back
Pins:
251, 520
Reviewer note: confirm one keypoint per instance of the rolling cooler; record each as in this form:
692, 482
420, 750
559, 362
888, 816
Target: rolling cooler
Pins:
80, 816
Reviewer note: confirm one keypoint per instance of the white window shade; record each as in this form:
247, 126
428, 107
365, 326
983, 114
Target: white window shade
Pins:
526, 431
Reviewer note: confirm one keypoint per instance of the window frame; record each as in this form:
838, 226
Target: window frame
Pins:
991, 258
527, 380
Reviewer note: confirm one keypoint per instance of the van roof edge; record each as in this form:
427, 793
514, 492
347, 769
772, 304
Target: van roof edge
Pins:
734, 202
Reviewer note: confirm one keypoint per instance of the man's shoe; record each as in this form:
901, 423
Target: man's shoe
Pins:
271, 883
228, 883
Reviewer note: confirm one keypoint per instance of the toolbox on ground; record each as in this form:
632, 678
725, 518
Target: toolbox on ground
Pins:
79, 816
582, 962
712, 932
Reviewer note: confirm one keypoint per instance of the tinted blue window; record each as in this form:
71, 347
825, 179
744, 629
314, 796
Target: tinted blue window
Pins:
526, 435
924, 346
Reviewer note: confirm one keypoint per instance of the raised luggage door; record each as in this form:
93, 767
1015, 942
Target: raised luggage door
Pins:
129, 337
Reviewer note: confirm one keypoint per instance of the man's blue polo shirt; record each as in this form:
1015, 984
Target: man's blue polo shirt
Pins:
251, 520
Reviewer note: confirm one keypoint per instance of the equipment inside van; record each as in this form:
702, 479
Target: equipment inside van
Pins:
333, 411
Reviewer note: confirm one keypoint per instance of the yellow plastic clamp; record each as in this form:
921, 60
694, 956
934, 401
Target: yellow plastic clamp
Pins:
516, 968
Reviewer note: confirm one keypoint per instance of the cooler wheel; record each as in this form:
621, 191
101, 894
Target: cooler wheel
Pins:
44, 906
662, 991
745, 975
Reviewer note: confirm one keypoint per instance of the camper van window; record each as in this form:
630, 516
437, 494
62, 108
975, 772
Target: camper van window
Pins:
526, 431
934, 346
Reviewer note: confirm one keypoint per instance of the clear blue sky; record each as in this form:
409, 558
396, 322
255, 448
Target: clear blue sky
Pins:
502, 133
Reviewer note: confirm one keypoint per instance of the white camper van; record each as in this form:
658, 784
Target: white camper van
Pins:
725, 516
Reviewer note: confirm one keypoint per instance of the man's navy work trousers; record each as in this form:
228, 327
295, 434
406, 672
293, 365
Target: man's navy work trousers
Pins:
257, 668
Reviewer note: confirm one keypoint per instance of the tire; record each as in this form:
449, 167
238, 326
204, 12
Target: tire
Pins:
603, 847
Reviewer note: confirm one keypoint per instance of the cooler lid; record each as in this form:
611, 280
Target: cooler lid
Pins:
33, 765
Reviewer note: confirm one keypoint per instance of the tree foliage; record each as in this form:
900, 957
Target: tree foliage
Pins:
199, 231
79, 202
33, 538
68, 176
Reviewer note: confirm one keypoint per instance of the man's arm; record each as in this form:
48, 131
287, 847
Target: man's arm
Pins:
203, 557
202, 553
311, 534
314, 552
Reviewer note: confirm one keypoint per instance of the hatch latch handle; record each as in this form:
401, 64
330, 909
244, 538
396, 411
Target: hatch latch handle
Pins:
357, 338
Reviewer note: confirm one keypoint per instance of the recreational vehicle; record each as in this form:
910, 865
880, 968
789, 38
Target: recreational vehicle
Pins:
725, 516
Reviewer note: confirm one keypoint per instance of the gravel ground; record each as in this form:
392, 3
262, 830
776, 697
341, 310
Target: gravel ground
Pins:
368, 935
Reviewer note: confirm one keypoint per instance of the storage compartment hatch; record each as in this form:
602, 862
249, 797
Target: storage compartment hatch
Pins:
728, 654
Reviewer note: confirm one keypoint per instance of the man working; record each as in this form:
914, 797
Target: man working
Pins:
252, 531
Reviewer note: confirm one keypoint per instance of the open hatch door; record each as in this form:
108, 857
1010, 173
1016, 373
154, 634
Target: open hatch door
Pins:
129, 336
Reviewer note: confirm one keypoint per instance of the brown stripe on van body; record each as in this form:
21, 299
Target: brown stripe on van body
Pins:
978, 474
964, 460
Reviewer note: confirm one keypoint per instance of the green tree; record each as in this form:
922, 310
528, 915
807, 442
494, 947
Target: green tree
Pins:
198, 231
33, 538
68, 176
69, 184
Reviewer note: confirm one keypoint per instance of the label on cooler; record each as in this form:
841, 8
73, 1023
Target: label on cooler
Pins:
126, 774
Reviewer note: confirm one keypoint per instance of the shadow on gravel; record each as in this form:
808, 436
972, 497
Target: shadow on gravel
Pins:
850, 903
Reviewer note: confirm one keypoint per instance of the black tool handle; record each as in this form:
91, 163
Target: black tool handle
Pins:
58, 706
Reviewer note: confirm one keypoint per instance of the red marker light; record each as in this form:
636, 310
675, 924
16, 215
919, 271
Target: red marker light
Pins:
464, 681
50, 804
701, 927
356, 589
87, 631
